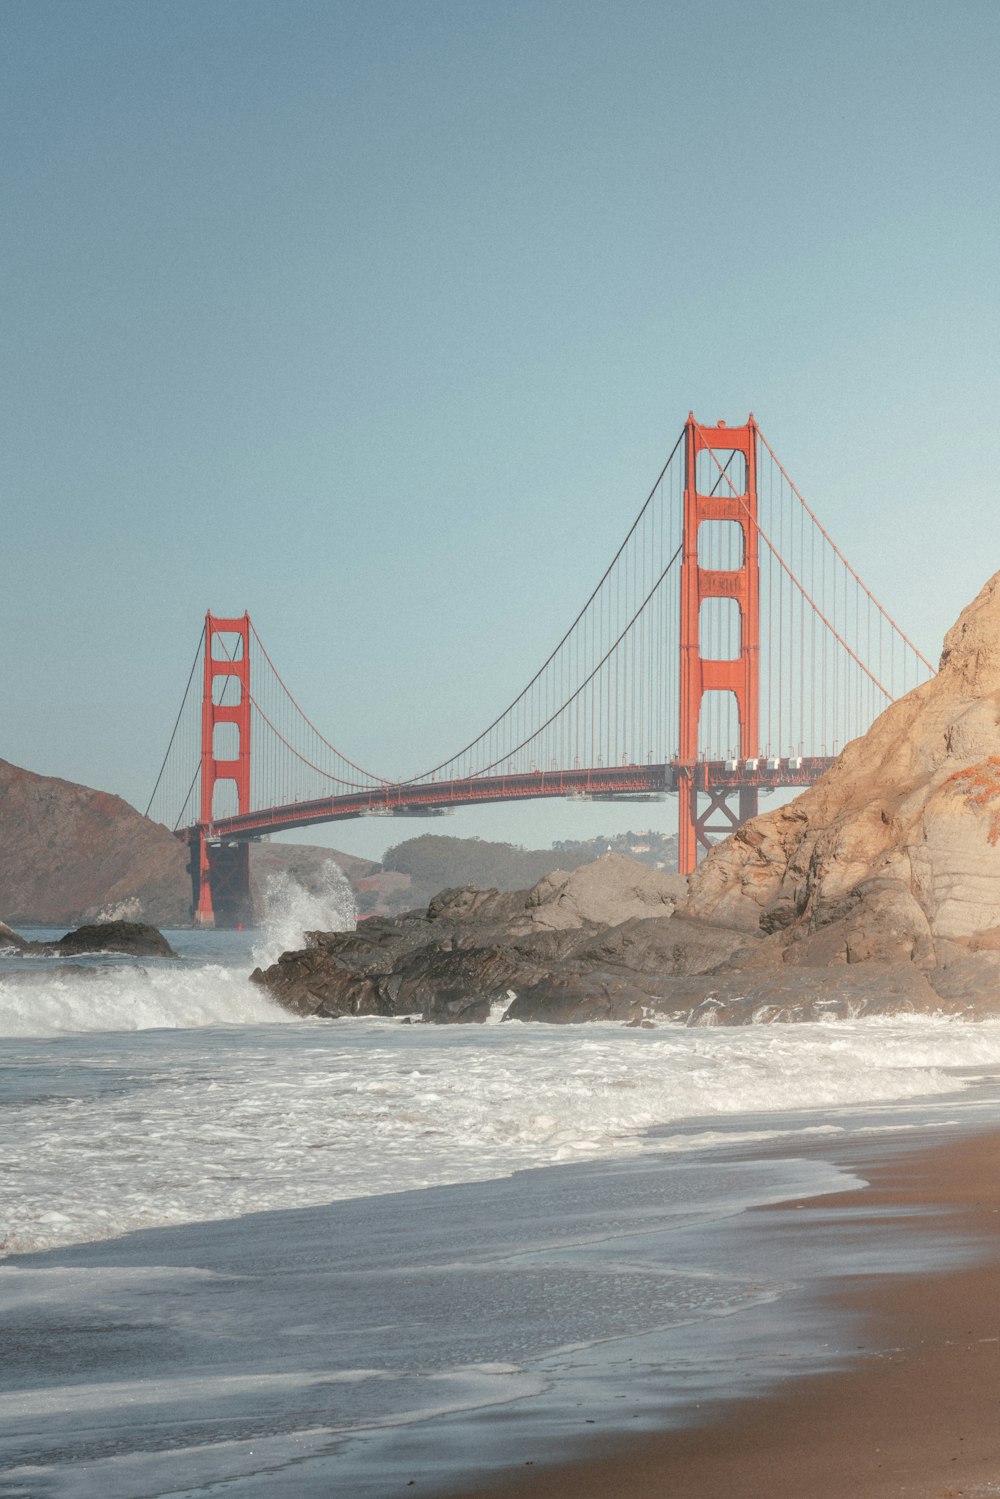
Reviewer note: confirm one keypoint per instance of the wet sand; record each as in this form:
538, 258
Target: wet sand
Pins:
917, 1416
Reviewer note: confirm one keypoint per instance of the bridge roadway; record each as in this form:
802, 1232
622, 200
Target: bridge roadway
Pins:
431, 798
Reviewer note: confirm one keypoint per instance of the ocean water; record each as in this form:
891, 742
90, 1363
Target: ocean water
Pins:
245, 1253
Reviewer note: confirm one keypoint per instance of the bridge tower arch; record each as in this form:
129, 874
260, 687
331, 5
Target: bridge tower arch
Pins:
720, 498
220, 871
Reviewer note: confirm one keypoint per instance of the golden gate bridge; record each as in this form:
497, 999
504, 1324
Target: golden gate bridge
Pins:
728, 649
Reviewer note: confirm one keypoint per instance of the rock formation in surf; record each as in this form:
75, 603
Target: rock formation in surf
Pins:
543, 955
876, 890
474, 948
133, 939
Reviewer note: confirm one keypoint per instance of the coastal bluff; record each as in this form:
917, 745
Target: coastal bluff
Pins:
894, 855
875, 891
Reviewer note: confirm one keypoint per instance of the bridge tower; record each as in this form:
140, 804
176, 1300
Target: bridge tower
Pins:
731, 496
220, 872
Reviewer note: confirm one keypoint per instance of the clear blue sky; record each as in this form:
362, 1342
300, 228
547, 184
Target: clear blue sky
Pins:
378, 319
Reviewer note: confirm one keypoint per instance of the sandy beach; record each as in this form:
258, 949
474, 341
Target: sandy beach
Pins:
917, 1416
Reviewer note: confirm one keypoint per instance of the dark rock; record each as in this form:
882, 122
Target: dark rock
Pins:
134, 938
640, 973
474, 948
535, 952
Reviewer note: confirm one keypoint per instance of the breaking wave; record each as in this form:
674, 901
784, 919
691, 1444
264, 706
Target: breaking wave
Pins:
292, 1116
44, 996
130, 998
291, 911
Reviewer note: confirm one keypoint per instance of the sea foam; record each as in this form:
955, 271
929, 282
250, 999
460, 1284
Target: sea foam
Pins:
130, 998
291, 911
124, 1131
47, 996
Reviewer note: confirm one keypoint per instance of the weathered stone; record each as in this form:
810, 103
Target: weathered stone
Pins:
136, 938
898, 846
875, 892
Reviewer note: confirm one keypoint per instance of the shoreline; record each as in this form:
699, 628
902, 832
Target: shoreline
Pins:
437, 1339
918, 1415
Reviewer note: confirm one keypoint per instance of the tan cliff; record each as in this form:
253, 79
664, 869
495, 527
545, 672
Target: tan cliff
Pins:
895, 854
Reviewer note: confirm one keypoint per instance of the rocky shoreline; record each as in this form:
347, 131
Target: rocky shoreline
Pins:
473, 952
876, 891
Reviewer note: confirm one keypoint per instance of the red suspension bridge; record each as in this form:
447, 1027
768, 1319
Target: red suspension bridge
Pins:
729, 649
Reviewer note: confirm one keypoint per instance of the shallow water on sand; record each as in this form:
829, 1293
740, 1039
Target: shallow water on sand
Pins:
428, 1335
265, 1255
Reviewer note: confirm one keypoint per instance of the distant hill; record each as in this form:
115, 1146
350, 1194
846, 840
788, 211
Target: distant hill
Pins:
69, 853
434, 863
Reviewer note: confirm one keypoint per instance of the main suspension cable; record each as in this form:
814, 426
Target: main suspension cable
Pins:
173, 736
555, 651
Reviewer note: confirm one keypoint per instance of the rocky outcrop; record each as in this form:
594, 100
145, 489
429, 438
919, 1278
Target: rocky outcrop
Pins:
473, 949
876, 891
476, 951
135, 939
549, 955
604, 893
894, 856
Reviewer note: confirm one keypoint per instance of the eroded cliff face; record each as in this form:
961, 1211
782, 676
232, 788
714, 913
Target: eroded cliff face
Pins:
895, 854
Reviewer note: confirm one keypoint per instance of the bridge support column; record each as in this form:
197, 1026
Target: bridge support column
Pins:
200, 870
221, 877
220, 883
725, 497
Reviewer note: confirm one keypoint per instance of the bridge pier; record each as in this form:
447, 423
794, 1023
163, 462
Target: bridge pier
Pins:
220, 883
220, 872
695, 827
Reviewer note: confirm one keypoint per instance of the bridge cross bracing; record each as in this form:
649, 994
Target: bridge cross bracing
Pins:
728, 649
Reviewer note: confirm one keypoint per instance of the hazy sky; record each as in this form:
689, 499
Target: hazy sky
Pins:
379, 319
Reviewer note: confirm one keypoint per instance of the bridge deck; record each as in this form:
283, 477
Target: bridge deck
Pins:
428, 798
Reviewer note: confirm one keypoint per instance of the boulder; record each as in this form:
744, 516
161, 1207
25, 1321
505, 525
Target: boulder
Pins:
607, 892
135, 938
